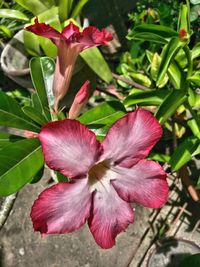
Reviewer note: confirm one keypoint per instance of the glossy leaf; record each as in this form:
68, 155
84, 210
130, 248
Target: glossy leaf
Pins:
195, 78
183, 22
155, 64
13, 14
35, 115
162, 31
141, 78
42, 71
145, 98
105, 113
192, 260
159, 157
175, 75
38, 176
168, 54
195, 52
34, 6
147, 36
19, 162
169, 105
11, 115
183, 153
97, 63
7, 139
194, 98
99, 130
194, 127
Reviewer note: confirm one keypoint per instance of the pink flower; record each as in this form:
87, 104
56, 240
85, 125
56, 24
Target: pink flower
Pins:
70, 43
105, 177
80, 101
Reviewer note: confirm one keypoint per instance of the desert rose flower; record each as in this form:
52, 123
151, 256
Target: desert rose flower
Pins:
105, 177
70, 43
80, 101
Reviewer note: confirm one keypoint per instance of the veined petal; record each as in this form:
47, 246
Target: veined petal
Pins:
69, 147
91, 36
62, 208
144, 183
110, 215
131, 138
45, 30
70, 30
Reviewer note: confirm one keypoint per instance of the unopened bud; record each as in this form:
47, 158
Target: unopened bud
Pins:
80, 101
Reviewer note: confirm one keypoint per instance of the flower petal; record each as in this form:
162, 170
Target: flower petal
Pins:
69, 147
91, 36
45, 30
144, 183
62, 208
131, 138
110, 215
70, 30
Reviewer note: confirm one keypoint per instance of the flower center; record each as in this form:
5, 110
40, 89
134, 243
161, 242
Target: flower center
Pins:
98, 171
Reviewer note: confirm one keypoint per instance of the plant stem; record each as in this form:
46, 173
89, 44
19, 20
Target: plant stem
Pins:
189, 59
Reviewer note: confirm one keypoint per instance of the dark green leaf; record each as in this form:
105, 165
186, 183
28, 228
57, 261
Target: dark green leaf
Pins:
183, 153
19, 162
191, 261
42, 70
145, 98
37, 177
7, 139
147, 36
35, 115
77, 9
11, 115
105, 113
169, 105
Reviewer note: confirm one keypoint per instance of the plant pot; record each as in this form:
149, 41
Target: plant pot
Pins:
170, 252
14, 61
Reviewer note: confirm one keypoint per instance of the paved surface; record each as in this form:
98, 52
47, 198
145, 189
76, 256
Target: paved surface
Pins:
21, 247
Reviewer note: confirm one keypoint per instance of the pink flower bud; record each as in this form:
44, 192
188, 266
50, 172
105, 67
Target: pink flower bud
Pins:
80, 101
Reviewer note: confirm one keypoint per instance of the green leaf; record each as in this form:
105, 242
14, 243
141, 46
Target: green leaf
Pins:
159, 30
99, 130
31, 43
36, 102
155, 64
195, 78
195, 52
19, 162
159, 157
145, 98
13, 14
35, 115
183, 153
77, 9
191, 261
11, 115
146, 36
141, 78
175, 75
97, 63
194, 98
34, 6
42, 71
37, 177
5, 31
194, 13
194, 127
195, 2
105, 113
183, 22
64, 8
169, 105
7, 139
169, 52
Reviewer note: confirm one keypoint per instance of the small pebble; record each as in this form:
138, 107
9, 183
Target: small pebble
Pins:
21, 251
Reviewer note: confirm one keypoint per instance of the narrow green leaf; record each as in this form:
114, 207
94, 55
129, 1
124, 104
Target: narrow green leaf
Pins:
145, 98
7, 139
155, 64
19, 162
169, 105
11, 115
64, 9
77, 9
42, 71
183, 153
183, 22
175, 75
31, 43
35, 115
97, 63
141, 78
195, 78
195, 52
162, 31
13, 14
168, 54
105, 113
159, 157
194, 127
34, 6
36, 102
146, 36
5, 31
